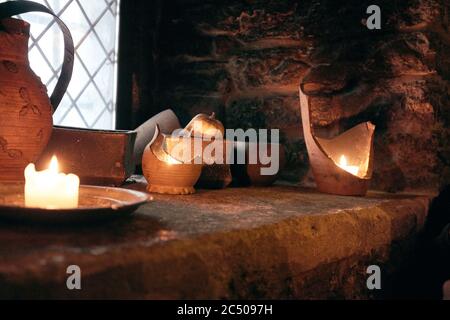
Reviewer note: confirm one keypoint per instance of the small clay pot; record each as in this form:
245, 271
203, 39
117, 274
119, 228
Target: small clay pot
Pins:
208, 124
250, 173
216, 173
166, 174
214, 176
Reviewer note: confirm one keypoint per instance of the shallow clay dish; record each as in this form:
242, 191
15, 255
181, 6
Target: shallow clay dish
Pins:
95, 204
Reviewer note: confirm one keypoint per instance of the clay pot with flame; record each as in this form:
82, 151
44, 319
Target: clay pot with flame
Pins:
164, 172
342, 165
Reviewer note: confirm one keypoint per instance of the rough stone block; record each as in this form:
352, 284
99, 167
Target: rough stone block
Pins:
279, 242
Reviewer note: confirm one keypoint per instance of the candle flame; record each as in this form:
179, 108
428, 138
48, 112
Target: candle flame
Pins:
343, 161
53, 167
344, 165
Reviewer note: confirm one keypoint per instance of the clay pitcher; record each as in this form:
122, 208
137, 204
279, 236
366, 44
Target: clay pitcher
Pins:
25, 108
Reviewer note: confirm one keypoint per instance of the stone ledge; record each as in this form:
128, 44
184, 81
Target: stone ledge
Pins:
279, 242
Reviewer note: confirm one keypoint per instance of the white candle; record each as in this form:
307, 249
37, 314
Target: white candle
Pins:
50, 189
343, 164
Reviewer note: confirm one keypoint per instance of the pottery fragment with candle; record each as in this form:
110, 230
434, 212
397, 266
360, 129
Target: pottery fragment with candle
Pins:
50, 189
333, 159
165, 173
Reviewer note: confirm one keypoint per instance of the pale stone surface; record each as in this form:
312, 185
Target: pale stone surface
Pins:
279, 242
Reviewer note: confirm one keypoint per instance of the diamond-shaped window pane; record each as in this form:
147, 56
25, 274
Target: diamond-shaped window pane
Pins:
105, 118
63, 110
90, 48
93, 8
74, 119
103, 29
88, 104
40, 65
75, 20
90, 100
80, 79
103, 80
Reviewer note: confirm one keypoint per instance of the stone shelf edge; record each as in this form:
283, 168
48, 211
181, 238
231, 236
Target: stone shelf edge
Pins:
279, 242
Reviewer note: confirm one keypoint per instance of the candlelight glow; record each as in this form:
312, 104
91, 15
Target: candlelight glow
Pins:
171, 160
53, 167
50, 189
343, 164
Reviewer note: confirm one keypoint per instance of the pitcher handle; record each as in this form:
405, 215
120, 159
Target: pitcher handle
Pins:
12, 8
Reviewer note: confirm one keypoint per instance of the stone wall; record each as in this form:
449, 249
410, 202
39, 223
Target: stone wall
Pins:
245, 59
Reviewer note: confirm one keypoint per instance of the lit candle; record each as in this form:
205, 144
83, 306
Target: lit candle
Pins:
351, 169
49, 188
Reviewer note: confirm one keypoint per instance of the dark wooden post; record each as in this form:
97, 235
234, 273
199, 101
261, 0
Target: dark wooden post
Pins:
138, 55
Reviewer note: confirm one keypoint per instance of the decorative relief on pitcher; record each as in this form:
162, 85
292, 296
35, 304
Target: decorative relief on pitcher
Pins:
12, 153
10, 66
40, 135
26, 109
29, 106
